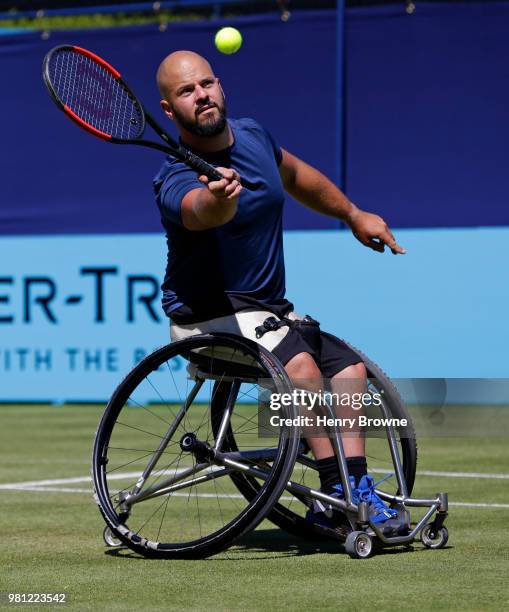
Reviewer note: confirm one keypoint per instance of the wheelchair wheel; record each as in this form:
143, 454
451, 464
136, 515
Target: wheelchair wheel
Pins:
359, 545
432, 538
289, 513
160, 470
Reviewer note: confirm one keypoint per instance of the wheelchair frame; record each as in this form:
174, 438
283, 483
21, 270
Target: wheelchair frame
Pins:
211, 463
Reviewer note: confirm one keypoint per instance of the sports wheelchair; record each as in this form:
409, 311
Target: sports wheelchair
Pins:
188, 478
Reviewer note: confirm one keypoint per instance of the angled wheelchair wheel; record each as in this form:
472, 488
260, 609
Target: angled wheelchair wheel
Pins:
290, 511
434, 538
359, 545
162, 473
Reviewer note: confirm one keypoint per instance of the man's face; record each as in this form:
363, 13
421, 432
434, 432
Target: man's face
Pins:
196, 101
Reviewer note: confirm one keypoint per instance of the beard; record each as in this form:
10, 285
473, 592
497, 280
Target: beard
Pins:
212, 126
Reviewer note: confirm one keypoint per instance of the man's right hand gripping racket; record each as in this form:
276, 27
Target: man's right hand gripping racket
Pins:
94, 95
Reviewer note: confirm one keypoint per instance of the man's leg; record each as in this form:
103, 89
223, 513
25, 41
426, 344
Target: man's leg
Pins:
350, 380
304, 372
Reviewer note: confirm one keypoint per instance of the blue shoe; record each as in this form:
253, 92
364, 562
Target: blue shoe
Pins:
379, 512
325, 515
385, 518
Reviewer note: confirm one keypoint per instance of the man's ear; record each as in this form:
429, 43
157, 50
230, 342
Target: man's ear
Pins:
167, 109
221, 88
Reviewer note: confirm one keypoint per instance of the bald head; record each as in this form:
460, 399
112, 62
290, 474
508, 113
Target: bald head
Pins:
178, 68
192, 96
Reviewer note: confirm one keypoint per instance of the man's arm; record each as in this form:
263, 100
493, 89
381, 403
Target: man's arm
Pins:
213, 205
314, 190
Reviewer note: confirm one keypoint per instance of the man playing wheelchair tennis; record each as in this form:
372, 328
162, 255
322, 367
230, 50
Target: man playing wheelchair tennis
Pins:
225, 270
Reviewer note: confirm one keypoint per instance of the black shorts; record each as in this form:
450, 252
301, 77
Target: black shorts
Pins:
292, 335
330, 354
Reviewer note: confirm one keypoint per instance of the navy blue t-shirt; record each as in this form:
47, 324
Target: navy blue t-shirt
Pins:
214, 272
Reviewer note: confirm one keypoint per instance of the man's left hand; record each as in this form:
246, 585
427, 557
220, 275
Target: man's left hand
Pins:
373, 232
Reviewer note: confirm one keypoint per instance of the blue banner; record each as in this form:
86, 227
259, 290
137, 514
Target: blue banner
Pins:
82, 252
76, 313
427, 113
59, 180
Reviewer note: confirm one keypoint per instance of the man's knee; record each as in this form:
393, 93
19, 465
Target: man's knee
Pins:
303, 367
353, 372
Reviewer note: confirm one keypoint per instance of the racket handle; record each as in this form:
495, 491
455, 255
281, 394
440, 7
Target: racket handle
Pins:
248, 185
201, 166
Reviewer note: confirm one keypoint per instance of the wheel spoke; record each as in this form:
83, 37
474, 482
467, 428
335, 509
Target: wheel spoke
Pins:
178, 494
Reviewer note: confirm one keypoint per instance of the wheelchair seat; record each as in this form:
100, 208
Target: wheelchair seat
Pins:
223, 364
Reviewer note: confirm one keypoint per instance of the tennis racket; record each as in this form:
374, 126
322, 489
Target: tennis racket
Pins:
94, 95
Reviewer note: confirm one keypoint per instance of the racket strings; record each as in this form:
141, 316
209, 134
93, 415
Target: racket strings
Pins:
95, 95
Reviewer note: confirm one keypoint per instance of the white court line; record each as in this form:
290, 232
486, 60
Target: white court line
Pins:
126, 475
50, 489
478, 505
49, 485
223, 496
44, 483
453, 474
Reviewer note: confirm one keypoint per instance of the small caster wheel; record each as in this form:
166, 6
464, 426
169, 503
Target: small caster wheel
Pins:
359, 545
109, 538
434, 539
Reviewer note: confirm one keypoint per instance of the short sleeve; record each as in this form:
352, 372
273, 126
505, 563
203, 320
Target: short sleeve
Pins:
171, 185
262, 132
278, 155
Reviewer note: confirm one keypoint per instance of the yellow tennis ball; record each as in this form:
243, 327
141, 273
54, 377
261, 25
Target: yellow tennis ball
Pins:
228, 40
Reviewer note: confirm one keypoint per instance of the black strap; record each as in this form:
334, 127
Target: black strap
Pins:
272, 324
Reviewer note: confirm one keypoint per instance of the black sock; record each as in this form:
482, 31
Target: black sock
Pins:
328, 472
357, 467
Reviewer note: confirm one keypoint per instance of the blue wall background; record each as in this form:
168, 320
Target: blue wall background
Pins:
438, 312
426, 138
68, 182
428, 113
